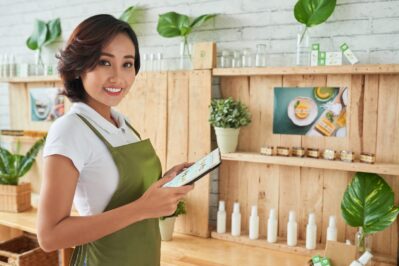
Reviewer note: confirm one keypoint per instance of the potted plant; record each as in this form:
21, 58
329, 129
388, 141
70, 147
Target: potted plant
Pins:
15, 197
45, 34
368, 204
172, 24
167, 224
227, 116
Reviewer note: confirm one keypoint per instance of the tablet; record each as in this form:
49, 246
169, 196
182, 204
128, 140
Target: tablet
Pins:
197, 170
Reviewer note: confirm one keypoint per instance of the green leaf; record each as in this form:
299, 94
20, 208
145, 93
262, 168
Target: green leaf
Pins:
53, 31
202, 19
368, 202
180, 209
38, 37
172, 24
130, 15
228, 113
313, 12
30, 156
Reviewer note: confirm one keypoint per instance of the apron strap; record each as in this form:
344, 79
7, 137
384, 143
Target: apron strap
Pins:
95, 131
130, 126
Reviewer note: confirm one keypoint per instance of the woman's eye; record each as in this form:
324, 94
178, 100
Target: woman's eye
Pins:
104, 63
128, 64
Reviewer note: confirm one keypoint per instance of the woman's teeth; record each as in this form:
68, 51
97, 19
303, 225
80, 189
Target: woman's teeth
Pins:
113, 90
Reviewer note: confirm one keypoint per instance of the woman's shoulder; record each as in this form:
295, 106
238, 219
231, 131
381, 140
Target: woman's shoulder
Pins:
68, 123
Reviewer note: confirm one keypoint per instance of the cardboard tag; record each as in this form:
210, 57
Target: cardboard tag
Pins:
340, 254
204, 55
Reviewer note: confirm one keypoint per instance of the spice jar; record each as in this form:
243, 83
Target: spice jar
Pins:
313, 153
283, 151
347, 156
329, 154
298, 151
367, 158
267, 150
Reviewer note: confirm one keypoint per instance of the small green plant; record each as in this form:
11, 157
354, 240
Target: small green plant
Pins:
44, 33
130, 15
368, 203
181, 209
228, 113
172, 24
14, 166
313, 12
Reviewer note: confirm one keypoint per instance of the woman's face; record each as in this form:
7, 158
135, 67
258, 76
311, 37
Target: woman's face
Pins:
112, 77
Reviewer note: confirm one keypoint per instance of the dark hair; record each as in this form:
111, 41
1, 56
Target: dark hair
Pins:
83, 51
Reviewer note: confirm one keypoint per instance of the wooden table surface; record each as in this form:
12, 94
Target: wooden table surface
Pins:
187, 250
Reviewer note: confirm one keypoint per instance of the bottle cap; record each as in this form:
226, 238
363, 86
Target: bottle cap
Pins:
291, 216
365, 258
254, 210
332, 221
272, 214
221, 205
236, 207
312, 218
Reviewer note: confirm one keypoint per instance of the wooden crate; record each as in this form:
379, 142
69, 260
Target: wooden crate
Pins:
25, 251
15, 198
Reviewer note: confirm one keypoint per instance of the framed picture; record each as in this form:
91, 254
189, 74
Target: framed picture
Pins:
45, 104
310, 111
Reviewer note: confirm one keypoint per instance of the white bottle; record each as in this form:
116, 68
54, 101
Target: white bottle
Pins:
221, 218
363, 260
311, 232
272, 227
332, 229
254, 223
236, 220
292, 228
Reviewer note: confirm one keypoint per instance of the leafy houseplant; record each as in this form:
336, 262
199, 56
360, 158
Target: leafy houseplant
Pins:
311, 13
12, 168
167, 223
227, 116
172, 24
368, 203
44, 34
130, 15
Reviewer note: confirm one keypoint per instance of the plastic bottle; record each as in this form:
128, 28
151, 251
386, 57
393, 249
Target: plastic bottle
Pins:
236, 220
254, 223
311, 232
363, 260
292, 229
332, 229
221, 218
272, 227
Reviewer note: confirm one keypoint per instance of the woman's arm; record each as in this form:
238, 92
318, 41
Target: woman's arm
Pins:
57, 229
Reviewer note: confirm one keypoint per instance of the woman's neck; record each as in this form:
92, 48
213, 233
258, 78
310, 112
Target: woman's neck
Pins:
103, 110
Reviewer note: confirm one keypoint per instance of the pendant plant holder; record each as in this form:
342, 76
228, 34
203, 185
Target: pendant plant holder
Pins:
15, 197
368, 203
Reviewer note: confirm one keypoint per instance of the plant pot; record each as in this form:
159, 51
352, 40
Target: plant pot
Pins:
227, 139
15, 198
166, 227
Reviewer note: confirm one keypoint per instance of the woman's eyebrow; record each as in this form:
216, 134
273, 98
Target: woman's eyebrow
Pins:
111, 55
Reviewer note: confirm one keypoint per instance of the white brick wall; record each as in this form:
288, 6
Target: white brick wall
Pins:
370, 27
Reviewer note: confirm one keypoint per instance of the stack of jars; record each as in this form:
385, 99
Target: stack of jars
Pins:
246, 58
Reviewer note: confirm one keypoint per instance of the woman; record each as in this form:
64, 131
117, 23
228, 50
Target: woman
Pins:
94, 158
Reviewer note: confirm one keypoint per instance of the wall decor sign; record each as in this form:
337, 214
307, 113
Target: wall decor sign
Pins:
310, 111
45, 104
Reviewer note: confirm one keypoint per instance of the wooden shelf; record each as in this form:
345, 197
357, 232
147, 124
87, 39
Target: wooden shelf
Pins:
281, 245
53, 78
378, 168
308, 70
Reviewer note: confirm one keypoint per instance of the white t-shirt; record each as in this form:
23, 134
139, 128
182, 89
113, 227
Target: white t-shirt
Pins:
98, 175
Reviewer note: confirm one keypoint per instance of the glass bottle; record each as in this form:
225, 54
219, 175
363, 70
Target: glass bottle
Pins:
226, 59
144, 63
185, 55
260, 59
363, 241
247, 58
303, 47
236, 62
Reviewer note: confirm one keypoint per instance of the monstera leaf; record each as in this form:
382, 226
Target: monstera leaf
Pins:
368, 202
44, 33
14, 166
130, 15
313, 12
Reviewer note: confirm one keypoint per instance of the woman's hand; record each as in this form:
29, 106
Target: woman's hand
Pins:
160, 201
177, 169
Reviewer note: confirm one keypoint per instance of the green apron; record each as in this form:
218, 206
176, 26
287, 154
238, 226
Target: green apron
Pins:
139, 243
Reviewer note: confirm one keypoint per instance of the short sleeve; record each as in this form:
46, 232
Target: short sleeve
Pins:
66, 137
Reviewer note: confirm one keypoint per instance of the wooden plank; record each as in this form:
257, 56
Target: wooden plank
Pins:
31, 79
307, 70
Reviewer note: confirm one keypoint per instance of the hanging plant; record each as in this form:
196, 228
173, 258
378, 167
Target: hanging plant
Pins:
130, 15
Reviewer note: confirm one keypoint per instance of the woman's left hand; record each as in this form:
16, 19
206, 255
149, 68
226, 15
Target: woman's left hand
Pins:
177, 169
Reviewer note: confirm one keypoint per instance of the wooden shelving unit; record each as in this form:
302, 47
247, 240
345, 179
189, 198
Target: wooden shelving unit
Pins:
32, 79
311, 70
378, 168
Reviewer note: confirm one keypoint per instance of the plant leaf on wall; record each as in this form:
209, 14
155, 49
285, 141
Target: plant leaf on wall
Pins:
130, 15
201, 19
38, 37
368, 202
172, 24
313, 12
54, 31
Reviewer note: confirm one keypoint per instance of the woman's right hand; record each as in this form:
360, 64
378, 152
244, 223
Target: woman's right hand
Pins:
160, 201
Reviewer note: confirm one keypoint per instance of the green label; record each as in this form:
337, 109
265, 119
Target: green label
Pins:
316, 46
344, 47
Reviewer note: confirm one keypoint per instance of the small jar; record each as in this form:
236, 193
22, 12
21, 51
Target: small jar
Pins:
298, 151
267, 150
226, 59
367, 158
329, 154
283, 151
313, 153
347, 156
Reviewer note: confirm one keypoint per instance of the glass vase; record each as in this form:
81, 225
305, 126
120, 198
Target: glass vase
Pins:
185, 55
363, 241
303, 47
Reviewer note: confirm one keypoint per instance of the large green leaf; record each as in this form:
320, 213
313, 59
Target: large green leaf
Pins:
368, 202
313, 12
29, 158
130, 15
38, 37
53, 31
172, 24
202, 19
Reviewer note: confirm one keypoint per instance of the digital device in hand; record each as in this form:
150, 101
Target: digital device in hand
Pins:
197, 170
